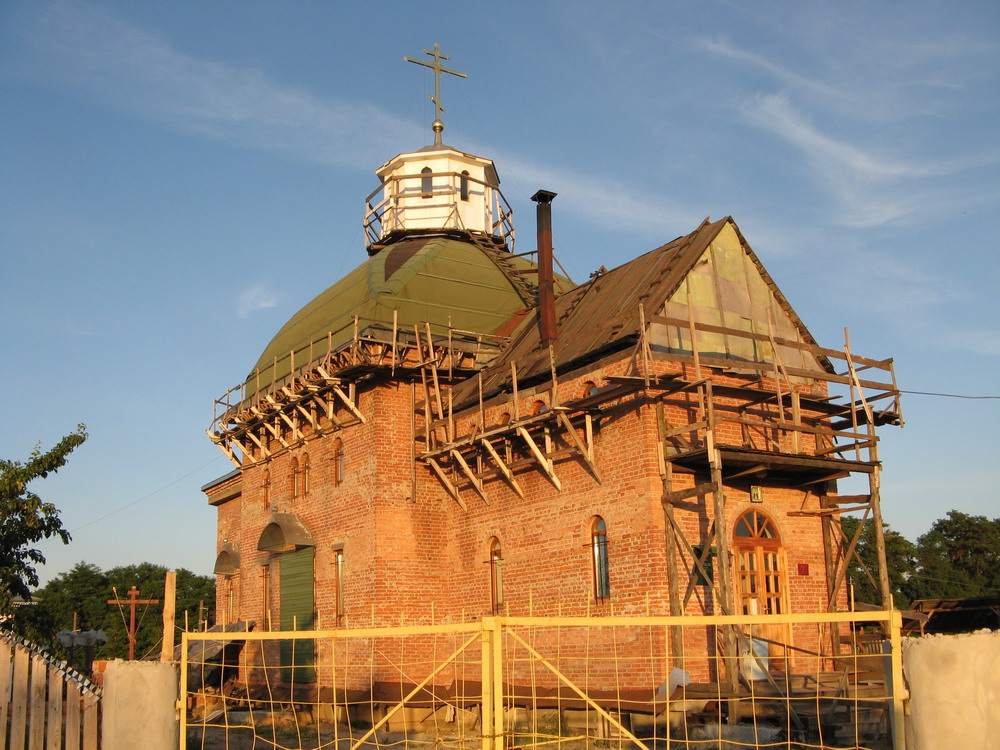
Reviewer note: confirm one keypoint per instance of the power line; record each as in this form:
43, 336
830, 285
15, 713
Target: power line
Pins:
145, 497
947, 395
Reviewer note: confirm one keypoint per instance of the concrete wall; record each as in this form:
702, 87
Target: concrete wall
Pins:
140, 706
954, 684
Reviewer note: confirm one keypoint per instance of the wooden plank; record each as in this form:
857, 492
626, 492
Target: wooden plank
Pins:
824, 478
791, 426
678, 495
5, 677
837, 464
724, 363
693, 427
55, 719
36, 714
882, 364
826, 511
19, 699
169, 607
91, 737
744, 472
852, 446
847, 499
73, 715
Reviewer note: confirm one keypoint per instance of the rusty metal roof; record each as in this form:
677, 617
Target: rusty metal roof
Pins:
602, 315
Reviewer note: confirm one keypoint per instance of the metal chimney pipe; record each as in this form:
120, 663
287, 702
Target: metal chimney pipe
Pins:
546, 275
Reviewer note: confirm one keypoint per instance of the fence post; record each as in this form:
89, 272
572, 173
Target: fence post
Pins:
898, 686
182, 696
492, 680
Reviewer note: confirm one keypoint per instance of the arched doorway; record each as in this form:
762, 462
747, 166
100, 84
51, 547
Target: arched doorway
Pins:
759, 567
761, 582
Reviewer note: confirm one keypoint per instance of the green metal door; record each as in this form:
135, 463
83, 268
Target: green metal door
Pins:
297, 613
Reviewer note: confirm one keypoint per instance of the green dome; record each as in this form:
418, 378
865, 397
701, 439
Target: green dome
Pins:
438, 280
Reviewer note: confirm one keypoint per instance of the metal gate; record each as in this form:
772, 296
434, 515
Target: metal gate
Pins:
575, 681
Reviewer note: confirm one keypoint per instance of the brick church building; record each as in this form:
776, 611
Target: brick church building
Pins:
455, 429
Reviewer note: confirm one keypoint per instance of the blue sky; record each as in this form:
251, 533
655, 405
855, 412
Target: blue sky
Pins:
179, 178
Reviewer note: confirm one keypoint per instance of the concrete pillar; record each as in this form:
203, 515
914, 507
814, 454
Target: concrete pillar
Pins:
954, 683
140, 706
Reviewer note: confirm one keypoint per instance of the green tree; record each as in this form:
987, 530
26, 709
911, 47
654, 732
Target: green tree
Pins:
959, 557
900, 555
25, 519
84, 592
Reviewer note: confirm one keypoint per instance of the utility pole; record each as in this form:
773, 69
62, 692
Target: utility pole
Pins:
133, 601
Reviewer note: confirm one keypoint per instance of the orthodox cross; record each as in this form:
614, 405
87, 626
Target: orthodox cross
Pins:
438, 69
133, 601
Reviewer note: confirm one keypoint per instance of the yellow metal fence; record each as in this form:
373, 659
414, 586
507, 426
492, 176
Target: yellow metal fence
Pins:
787, 681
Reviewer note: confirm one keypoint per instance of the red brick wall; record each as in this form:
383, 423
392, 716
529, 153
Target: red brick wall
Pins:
413, 559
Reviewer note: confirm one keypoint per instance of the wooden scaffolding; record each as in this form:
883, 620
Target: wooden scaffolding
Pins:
789, 426
313, 390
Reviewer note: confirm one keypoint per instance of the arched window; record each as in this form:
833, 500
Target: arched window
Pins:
463, 185
757, 545
265, 490
539, 407
504, 418
293, 478
305, 474
338, 462
589, 388
426, 182
599, 554
496, 575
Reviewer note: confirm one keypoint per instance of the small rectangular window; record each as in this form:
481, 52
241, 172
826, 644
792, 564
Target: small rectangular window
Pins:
700, 579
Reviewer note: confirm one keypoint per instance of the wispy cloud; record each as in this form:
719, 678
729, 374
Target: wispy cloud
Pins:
142, 73
255, 298
724, 48
910, 295
606, 201
865, 184
872, 80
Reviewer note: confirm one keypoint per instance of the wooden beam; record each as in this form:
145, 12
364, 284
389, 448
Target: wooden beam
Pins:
693, 427
169, 608
470, 474
543, 461
678, 495
586, 452
699, 567
826, 511
850, 447
847, 499
745, 472
825, 478
842, 568
882, 364
348, 402
502, 466
448, 485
